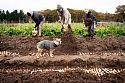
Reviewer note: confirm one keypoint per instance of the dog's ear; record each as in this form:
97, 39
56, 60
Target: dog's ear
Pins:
59, 39
54, 38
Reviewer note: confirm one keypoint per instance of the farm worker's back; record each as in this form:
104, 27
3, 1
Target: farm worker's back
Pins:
38, 19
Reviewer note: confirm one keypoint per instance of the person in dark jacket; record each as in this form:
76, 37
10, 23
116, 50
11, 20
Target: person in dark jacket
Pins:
38, 19
89, 20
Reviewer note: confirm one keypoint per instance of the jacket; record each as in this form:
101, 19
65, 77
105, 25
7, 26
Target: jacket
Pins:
46, 44
37, 18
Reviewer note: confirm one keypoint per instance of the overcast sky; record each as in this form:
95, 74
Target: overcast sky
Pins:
36, 5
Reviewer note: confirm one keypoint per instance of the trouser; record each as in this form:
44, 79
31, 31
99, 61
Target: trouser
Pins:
91, 30
39, 28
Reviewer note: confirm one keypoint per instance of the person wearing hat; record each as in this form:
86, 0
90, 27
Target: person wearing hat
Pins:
64, 18
38, 19
89, 20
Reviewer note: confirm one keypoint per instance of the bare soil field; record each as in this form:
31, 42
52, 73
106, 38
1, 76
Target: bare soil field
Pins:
77, 60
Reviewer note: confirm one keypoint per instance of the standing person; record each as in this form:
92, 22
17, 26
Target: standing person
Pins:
64, 18
89, 20
38, 19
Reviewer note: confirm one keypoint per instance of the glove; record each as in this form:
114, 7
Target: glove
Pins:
59, 21
64, 25
34, 29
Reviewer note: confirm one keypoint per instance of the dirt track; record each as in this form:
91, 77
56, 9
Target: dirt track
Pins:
18, 53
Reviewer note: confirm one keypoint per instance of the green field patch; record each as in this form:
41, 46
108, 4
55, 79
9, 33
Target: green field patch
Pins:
54, 29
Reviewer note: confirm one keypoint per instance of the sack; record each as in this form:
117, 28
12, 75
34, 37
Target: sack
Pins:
65, 27
34, 32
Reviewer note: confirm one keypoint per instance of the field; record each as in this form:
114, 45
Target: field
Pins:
78, 59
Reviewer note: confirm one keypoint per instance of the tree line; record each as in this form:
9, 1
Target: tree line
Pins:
51, 15
12, 17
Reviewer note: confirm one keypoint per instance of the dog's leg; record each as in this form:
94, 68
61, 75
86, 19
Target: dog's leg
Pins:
39, 52
43, 54
51, 52
47, 52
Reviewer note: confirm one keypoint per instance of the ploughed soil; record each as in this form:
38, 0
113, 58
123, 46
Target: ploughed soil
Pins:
18, 63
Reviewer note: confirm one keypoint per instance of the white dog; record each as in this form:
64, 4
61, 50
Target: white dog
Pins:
48, 45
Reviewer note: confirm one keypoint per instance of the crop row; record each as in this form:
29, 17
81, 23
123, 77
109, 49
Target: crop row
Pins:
53, 29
